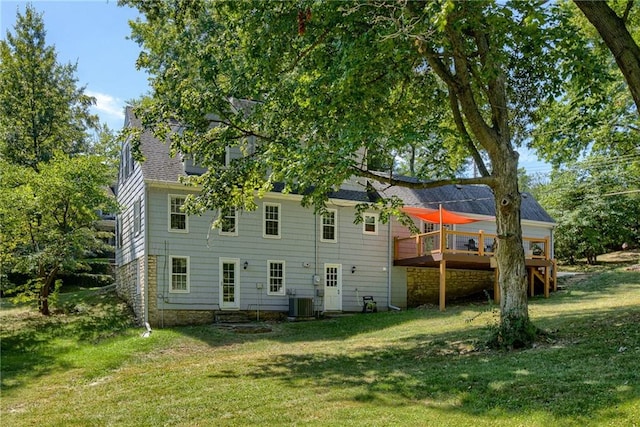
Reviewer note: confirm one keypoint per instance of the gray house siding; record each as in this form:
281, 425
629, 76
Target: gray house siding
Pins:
130, 235
130, 192
299, 247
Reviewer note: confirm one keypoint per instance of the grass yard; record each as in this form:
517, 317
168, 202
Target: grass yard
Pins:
90, 367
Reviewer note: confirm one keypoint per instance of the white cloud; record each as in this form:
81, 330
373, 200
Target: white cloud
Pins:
107, 105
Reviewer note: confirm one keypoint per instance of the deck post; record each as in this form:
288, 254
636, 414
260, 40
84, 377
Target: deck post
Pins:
555, 276
547, 272
443, 283
531, 282
418, 248
480, 243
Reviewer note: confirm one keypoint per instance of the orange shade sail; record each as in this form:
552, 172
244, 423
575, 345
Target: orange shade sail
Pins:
437, 216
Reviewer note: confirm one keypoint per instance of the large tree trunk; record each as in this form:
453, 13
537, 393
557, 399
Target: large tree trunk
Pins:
614, 32
515, 328
494, 136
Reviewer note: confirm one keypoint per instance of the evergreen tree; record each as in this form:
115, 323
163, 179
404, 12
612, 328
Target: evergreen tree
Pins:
41, 107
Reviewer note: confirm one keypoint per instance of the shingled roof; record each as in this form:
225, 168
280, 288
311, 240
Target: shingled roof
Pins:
474, 199
159, 165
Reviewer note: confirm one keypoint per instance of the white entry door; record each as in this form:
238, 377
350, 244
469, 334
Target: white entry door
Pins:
229, 283
332, 287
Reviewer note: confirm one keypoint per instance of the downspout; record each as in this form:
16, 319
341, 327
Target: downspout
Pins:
146, 254
317, 301
389, 265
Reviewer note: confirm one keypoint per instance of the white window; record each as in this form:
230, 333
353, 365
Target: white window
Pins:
178, 220
271, 226
179, 274
229, 222
137, 214
126, 161
429, 227
328, 231
275, 277
370, 223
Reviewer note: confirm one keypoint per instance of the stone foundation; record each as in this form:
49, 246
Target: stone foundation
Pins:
423, 284
165, 318
130, 287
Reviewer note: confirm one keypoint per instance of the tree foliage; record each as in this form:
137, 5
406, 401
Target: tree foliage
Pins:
106, 145
48, 217
41, 107
50, 187
597, 206
595, 112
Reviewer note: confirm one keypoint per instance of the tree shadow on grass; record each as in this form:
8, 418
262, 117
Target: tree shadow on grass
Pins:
580, 375
29, 344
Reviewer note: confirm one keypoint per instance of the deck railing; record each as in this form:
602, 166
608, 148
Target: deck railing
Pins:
463, 242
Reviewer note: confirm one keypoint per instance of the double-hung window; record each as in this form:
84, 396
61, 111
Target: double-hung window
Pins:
178, 220
179, 274
271, 226
275, 271
329, 232
370, 223
229, 222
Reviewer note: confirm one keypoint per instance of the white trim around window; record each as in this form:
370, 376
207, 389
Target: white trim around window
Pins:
329, 226
177, 221
275, 277
179, 274
229, 222
271, 220
370, 224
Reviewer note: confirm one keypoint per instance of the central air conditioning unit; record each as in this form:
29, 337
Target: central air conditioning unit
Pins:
300, 307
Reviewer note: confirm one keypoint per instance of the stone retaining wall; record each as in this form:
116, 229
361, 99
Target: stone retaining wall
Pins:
423, 284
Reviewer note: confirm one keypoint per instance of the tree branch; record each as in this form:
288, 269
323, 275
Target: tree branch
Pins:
464, 134
627, 9
308, 50
487, 136
614, 32
485, 180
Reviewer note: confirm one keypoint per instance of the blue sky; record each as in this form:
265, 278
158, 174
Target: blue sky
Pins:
94, 34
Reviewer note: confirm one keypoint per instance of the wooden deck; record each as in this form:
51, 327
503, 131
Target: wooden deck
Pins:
472, 251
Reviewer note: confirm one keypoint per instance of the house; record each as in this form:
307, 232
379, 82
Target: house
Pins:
173, 268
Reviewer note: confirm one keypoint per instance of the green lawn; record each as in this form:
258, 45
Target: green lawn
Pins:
89, 367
